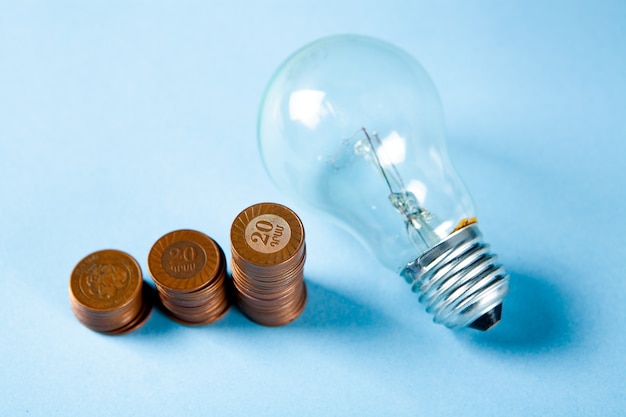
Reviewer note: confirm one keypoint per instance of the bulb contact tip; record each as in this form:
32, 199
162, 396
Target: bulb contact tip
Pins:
488, 320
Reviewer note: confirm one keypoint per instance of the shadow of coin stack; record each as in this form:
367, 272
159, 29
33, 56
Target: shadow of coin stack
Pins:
268, 254
189, 270
107, 293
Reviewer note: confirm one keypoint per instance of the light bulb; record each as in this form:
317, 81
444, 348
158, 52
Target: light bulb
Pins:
353, 126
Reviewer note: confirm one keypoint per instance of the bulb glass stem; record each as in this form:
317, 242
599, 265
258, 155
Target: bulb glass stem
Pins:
416, 218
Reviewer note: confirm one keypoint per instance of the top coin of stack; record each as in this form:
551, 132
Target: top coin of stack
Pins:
107, 292
189, 270
268, 253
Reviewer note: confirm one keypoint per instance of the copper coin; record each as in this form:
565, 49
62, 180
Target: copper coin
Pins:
106, 292
268, 254
189, 270
267, 235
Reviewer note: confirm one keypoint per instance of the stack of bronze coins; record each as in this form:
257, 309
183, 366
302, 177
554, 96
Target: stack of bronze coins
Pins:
107, 293
189, 270
268, 253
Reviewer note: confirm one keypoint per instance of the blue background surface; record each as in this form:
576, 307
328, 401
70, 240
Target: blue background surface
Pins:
121, 121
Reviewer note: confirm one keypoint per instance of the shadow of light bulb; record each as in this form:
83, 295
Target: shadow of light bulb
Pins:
537, 320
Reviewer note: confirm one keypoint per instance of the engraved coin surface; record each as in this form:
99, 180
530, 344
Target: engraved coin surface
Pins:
106, 279
183, 259
268, 233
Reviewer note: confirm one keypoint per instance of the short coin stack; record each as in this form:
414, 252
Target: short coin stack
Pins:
189, 270
107, 293
268, 253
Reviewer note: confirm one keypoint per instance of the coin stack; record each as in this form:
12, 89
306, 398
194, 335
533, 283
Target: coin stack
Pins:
107, 293
189, 270
268, 253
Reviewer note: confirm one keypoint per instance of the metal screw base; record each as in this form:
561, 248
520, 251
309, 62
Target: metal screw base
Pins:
459, 281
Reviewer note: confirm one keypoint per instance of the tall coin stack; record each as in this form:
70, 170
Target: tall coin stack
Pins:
268, 253
107, 293
189, 270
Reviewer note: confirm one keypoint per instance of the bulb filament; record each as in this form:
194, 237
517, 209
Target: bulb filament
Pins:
417, 218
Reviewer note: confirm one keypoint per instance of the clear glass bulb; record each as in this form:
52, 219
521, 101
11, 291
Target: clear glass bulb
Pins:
353, 126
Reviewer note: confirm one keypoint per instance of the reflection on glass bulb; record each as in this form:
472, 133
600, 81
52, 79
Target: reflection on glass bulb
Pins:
353, 126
